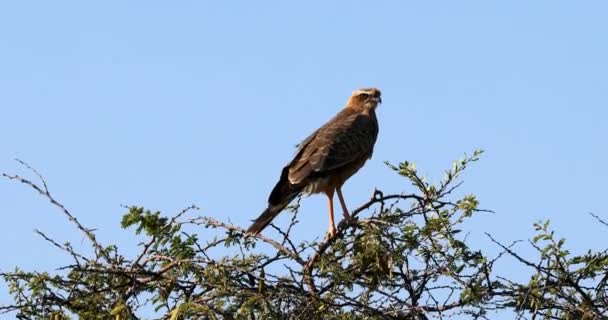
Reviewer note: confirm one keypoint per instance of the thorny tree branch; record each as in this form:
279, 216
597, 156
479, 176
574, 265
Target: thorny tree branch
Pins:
405, 259
44, 191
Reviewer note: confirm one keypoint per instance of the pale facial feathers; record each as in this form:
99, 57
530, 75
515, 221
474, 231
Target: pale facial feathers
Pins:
364, 99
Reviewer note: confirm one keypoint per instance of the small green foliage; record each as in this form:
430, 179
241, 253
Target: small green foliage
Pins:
120, 311
468, 204
150, 222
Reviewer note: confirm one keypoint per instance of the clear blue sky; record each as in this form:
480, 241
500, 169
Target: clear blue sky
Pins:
167, 104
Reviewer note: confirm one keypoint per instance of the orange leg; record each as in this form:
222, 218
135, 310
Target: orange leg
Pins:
344, 209
332, 226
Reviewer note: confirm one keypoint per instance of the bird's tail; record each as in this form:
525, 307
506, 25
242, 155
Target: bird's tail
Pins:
280, 197
264, 219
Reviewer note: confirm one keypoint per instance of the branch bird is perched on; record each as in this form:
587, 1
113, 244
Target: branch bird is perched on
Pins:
327, 158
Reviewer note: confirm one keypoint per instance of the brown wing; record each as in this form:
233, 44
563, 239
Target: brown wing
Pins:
348, 137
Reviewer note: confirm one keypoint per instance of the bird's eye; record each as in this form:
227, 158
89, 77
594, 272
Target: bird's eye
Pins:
364, 96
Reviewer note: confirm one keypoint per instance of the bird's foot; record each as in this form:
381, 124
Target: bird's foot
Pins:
331, 232
347, 216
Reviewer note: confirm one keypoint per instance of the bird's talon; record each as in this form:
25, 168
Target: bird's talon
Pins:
331, 233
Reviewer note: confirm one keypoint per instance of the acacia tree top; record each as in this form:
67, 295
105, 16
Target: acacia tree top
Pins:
403, 256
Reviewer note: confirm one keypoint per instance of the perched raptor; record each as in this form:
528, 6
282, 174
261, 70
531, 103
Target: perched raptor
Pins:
327, 158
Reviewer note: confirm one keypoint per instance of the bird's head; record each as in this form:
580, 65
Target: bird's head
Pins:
365, 99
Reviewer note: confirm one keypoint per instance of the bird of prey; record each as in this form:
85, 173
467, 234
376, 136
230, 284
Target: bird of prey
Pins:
327, 158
